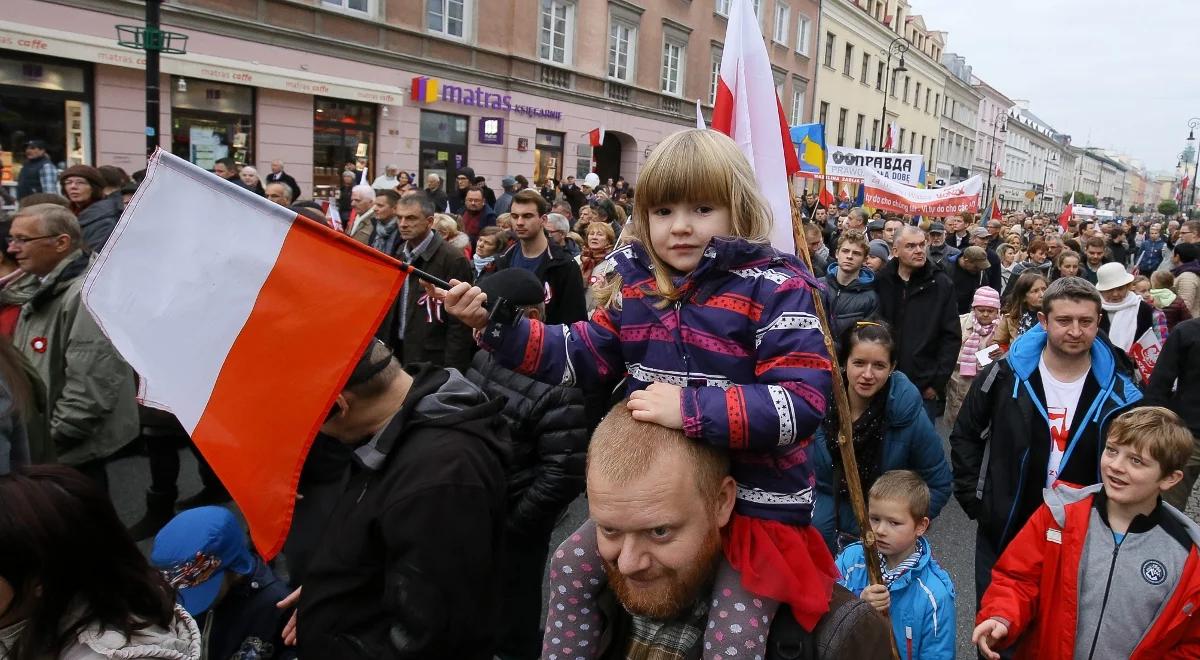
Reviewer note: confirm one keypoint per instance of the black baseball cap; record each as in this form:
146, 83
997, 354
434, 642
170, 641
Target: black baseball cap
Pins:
36, 144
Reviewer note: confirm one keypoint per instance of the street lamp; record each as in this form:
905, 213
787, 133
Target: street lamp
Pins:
1192, 124
899, 46
992, 148
154, 40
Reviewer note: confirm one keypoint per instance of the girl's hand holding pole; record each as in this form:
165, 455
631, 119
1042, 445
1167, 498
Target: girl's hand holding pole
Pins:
464, 302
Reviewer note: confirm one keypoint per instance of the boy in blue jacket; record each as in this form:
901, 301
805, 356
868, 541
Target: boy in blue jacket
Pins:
917, 592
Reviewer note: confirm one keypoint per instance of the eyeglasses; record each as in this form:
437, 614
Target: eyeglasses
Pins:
18, 241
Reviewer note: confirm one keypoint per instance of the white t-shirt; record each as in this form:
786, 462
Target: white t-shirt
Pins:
1061, 401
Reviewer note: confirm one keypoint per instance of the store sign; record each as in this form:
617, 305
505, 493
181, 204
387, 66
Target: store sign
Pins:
491, 130
852, 165
432, 90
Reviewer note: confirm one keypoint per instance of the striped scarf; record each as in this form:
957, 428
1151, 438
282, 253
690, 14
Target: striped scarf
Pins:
910, 562
968, 366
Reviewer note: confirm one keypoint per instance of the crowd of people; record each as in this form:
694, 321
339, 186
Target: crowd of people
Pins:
648, 348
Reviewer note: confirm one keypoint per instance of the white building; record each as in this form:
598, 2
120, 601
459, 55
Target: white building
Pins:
958, 122
989, 134
1041, 172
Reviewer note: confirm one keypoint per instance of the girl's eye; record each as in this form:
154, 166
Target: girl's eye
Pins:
1108, 449
661, 212
1135, 460
705, 210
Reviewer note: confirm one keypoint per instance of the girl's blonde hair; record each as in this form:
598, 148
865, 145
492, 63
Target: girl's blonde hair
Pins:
692, 166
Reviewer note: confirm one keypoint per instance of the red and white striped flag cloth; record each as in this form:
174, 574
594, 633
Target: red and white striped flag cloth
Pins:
744, 112
1065, 217
242, 318
596, 136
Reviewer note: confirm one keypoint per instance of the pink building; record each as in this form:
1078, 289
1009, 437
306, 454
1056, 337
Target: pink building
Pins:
428, 85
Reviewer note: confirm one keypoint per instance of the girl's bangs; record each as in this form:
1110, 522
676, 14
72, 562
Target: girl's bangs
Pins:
689, 172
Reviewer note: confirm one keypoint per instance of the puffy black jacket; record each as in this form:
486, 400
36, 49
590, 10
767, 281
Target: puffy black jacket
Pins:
410, 564
97, 221
965, 282
549, 429
847, 305
924, 316
1000, 445
1179, 360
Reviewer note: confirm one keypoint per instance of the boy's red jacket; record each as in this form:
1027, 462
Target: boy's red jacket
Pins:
1035, 587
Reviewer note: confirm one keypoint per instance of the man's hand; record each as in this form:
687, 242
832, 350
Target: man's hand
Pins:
987, 635
464, 302
289, 630
660, 404
929, 394
877, 596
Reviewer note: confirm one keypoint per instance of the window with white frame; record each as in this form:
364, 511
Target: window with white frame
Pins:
446, 17
799, 91
783, 20
672, 68
557, 31
722, 7
622, 41
357, 6
803, 30
757, 6
716, 76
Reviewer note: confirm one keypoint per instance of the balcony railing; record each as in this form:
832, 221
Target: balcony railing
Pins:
556, 77
617, 91
670, 104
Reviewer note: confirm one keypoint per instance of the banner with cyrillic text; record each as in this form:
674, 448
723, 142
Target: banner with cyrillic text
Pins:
851, 165
884, 194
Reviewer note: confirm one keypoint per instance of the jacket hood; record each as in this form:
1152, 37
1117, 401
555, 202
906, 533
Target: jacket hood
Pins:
866, 277
179, 641
1189, 267
922, 564
60, 278
1060, 496
904, 401
1026, 351
107, 207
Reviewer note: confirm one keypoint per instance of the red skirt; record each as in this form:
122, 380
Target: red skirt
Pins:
782, 562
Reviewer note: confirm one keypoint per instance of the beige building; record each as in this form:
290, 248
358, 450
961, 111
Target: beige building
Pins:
959, 117
855, 69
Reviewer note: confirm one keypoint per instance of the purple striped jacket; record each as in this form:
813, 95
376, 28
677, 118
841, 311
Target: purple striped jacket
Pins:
743, 342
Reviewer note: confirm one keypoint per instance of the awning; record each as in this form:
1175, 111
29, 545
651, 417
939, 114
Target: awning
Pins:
45, 41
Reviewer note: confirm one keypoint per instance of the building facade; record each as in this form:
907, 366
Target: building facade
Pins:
989, 132
1037, 175
858, 63
958, 117
429, 85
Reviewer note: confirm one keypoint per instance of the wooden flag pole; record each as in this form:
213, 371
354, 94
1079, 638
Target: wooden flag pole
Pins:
845, 433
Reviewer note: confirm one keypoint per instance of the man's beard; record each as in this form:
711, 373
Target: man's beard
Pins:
677, 591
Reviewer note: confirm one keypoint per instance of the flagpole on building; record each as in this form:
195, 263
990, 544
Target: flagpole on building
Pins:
845, 430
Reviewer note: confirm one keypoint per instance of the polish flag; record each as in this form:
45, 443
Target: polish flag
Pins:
243, 319
995, 212
1065, 217
744, 112
825, 198
596, 136
892, 139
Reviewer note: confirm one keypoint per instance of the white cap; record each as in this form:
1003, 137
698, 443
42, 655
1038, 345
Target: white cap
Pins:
592, 180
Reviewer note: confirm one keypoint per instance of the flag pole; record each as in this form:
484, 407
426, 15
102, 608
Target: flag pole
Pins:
845, 430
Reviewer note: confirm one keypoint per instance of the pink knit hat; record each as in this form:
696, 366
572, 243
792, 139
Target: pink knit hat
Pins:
986, 296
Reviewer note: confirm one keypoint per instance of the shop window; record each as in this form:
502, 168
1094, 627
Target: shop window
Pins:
211, 121
547, 156
443, 145
343, 138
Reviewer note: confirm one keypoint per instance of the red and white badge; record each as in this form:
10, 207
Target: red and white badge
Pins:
38, 344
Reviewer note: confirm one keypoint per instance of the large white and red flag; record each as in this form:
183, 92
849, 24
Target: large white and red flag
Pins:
1065, 216
744, 112
243, 319
880, 192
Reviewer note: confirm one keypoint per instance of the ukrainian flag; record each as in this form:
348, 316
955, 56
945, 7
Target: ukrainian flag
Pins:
810, 142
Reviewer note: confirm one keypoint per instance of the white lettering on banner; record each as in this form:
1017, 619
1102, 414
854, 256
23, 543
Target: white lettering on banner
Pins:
888, 195
848, 164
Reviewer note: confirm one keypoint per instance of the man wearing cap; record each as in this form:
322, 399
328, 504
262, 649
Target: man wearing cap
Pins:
411, 563
939, 250
228, 590
589, 187
462, 182
980, 238
549, 428
83, 185
875, 230
968, 271
1126, 316
38, 173
509, 188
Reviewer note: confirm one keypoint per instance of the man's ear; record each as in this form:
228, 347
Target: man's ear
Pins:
339, 408
726, 495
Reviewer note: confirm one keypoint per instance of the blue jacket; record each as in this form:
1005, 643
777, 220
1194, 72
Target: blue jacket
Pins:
743, 343
922, 610
909, 443
1151, 255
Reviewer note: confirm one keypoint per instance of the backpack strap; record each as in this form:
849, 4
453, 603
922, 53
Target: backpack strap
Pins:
985, 388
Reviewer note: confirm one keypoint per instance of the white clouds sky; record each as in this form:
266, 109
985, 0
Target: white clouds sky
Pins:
1117, 74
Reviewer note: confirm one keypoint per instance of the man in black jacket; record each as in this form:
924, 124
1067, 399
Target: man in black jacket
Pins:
1175, 384
277, 175
549, 428
918, 300
554, 267
1037, 418
968, 271
416, 327
436, 192
410, 564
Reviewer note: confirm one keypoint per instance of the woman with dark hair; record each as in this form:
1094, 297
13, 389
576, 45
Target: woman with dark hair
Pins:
890, 427
604, 210
84, 186
73, 585
1023, 301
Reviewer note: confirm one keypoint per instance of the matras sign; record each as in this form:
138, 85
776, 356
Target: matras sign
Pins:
887, 195
852, 165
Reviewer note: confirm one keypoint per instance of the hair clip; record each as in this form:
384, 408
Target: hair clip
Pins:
859, 324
